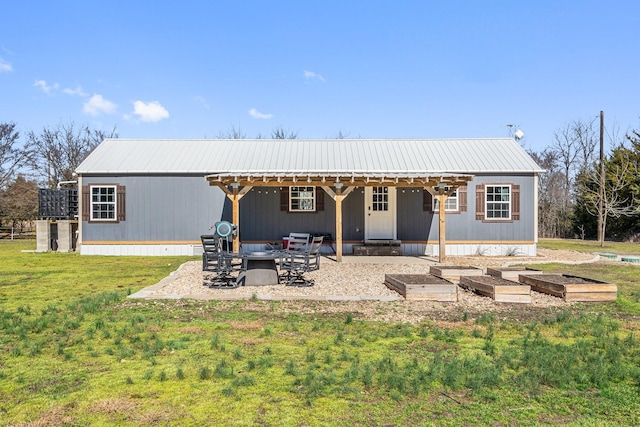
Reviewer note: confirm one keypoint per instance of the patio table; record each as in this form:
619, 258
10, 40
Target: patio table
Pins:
259, 268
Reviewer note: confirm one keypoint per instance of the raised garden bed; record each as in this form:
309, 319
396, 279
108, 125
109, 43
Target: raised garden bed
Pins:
571, 288
501, 290
454, 272
511, 273
633, 259
422, 287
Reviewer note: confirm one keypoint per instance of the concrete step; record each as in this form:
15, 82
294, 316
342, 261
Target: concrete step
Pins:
368, 250
382, 242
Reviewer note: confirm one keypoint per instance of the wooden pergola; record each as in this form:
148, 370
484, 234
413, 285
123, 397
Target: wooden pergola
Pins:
338, 186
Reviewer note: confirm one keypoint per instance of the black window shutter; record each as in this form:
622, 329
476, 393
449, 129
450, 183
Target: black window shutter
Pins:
427, 201
515, 202
121, 203
319, 199
86, 203
462, 198
480, 201
284, 199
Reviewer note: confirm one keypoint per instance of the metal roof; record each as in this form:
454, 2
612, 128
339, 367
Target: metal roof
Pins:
297, 156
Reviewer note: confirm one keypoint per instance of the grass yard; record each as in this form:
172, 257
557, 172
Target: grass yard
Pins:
591, 246
75, 351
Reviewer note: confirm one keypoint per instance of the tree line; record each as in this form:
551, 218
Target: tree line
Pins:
570, 195
43, 159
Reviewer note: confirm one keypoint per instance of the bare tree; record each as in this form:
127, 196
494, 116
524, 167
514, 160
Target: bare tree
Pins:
614, 201
233, 133
59, 150
566, 152
282, 133
587, 140
573, 149
552, 218
12, 157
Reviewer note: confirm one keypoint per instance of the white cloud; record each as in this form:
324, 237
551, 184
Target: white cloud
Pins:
45, 87
75, 92
5, 67
258, 115
311, 75
97, 105
150, 111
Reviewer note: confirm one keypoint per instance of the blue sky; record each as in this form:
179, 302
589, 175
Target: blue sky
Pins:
368, 69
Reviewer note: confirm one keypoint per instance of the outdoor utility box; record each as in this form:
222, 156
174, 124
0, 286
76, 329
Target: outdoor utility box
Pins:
52, 235
58, 203
57, 219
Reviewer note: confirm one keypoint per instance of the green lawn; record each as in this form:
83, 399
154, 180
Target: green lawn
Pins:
75, 351
591, 246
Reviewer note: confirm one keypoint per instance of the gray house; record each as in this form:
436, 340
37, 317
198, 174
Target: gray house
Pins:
156, 197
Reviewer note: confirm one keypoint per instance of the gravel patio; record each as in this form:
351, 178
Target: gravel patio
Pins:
355, 279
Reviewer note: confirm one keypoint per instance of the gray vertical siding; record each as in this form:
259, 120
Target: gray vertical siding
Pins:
181, 208
160, 208
416, 224
262, 219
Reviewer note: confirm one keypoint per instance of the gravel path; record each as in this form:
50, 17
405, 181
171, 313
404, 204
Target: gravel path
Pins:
355, 279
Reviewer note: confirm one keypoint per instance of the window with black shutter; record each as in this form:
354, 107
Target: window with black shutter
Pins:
497, 202
301, 199
455, 203
103, 203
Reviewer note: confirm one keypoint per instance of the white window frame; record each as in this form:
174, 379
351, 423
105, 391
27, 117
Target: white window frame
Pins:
96, 206
296, 196
453, 198
488, 203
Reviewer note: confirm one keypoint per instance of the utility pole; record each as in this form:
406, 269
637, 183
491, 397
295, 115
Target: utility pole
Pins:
601, 189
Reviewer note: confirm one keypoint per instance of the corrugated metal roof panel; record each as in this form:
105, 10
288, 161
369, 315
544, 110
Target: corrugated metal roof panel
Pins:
209, 156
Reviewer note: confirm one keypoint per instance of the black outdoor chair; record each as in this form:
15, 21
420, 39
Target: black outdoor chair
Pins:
301, 257
217, 257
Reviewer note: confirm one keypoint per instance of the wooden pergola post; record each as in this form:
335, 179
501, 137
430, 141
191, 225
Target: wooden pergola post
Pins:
442, 194
235, 209
442, 235
339, 197
235, 194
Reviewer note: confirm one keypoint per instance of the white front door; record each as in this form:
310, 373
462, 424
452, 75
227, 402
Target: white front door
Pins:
380, 213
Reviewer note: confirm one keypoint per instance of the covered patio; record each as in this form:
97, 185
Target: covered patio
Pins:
338, 185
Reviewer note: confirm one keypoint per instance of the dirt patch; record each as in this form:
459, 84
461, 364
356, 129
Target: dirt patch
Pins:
116, 406
246, 326
195, 330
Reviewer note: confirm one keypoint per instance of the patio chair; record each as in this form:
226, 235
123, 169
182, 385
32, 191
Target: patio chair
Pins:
217, 258
299, 241
314, 253
295, 261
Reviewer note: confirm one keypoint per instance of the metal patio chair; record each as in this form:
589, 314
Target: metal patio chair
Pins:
314, 253
300, 257
218, 259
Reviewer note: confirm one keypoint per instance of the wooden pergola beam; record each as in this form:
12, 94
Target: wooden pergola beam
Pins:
277, 180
